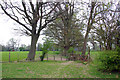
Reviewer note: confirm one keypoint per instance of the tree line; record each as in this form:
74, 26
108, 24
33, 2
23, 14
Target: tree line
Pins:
15, 45
68, 24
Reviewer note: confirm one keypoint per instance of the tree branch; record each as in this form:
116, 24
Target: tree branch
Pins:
14, 18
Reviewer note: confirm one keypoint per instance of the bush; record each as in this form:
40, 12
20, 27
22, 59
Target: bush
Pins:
45, 47
118, 50
71, 50
57, 52
110, 61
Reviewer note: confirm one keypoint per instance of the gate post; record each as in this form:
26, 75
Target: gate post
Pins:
47, 57
9, 56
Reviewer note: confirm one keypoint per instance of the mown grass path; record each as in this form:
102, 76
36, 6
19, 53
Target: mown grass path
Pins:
58, 72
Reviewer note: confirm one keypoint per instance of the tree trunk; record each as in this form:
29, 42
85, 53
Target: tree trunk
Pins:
89, 25
109, 46
84, 45
42, 57
106, 48
93, 45
32, 51
109, 43
65, 50
105, 45
100, 47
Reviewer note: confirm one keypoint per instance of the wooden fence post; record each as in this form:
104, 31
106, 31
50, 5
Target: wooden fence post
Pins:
9, 56
18, 57
39, 54
54, 57
47, 57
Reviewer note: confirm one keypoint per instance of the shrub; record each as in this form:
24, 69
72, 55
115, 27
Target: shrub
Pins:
110, 61
46, 46
71, 50
118, 50
57, 52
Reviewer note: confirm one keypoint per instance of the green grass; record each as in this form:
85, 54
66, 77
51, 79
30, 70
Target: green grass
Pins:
52, 69
0, 65
55, 69
14, 56
21, 55
28, 69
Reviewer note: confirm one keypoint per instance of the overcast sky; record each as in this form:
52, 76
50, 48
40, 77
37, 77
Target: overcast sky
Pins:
7, 31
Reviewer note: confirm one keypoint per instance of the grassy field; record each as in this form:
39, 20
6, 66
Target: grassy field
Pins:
53, 69
21, 55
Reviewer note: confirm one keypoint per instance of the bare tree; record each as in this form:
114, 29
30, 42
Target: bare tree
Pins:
12, 43
89, 25
118, 25
107, 28
65, 30
91, 17
33, 17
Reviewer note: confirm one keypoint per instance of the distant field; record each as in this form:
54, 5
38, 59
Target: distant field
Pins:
21, 55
